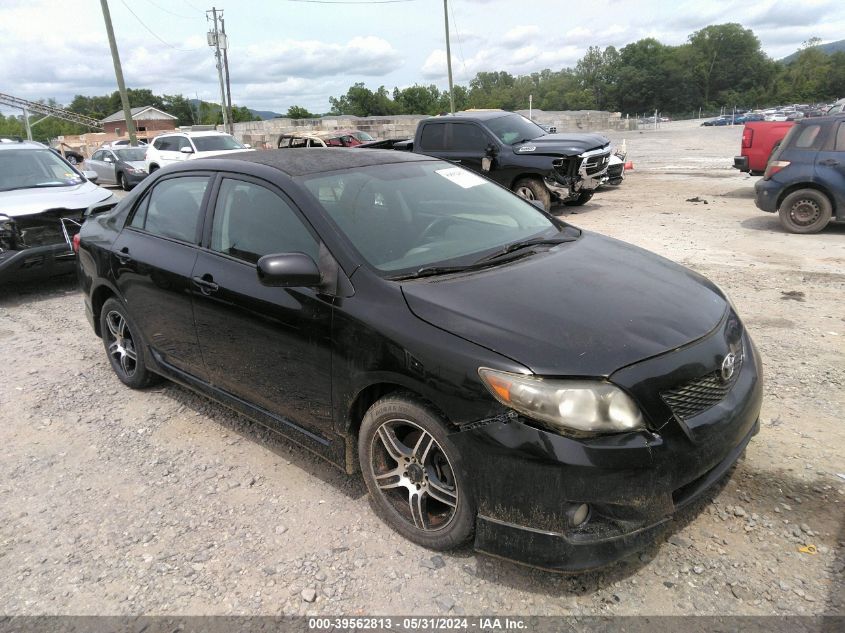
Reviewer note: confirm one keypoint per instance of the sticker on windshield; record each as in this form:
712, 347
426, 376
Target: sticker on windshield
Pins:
461, 177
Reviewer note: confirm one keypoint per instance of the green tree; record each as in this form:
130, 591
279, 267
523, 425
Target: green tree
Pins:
298, 112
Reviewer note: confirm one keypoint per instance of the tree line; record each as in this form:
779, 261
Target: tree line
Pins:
718, 66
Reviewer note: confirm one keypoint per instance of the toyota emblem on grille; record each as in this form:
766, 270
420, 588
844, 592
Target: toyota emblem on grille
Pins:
729, 366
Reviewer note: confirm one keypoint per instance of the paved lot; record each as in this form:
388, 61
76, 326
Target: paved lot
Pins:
122, 502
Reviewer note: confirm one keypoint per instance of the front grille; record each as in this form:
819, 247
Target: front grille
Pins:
596, 164
700, 394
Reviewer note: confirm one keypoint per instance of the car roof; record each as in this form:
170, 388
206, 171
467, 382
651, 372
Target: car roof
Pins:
316, 160
479, 115
192, 134
10, 143
322, 135
814, 120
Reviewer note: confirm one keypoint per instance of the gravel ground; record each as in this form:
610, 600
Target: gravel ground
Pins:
159, 502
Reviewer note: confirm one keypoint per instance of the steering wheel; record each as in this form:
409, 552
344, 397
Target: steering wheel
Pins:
436, 227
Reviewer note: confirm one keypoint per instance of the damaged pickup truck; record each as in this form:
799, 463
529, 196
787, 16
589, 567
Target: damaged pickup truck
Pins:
516, 153
42, 203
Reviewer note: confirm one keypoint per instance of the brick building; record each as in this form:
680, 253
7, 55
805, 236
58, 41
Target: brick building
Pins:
146, 118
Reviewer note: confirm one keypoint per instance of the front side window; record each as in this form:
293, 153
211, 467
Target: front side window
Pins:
183, 142
251, 221
172, 209
216, 143
467, 136
404, 216
98, 155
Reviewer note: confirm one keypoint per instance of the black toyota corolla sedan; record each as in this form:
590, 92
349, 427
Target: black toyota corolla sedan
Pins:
495, 374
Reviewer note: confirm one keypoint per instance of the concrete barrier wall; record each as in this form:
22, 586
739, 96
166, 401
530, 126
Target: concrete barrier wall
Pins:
259, 133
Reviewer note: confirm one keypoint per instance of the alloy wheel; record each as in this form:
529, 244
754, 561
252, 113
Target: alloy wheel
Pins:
525, 192
121, 345
414, 475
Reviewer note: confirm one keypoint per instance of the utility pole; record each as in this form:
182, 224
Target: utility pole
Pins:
226, 69
448, 58
118, 72
214, 40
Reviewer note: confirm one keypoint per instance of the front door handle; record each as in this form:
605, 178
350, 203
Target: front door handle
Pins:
206, 284
829, 162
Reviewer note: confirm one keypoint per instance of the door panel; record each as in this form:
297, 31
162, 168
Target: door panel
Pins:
268, 346
152, 261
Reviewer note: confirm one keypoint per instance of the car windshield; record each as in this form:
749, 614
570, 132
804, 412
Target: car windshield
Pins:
513, 128
134, 153
404, 217
216, 143
30, 168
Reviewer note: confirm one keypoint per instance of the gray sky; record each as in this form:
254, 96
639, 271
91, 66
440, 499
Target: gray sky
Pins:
286, 52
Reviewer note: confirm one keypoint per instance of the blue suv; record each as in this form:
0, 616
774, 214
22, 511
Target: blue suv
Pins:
805, 178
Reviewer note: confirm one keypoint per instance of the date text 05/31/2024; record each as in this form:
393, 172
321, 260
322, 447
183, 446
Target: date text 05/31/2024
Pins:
418, 623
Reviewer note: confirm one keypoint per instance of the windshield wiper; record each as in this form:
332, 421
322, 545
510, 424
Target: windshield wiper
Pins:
43, 185
430, 271
516, 246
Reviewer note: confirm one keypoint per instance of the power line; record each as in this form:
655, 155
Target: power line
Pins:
182, 50
458, 35
351, 1
192, 6
178, 15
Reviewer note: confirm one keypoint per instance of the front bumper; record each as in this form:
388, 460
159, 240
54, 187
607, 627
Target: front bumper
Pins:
36, 262
136, 178
766, 193
526, 480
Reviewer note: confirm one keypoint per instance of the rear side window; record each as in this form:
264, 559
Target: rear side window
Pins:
807, 137
173, 208
251, 221
840, 138
432, 137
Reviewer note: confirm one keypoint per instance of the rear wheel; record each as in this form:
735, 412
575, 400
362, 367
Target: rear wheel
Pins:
583, 198
805, 211
414, 473
124, 346
533, 189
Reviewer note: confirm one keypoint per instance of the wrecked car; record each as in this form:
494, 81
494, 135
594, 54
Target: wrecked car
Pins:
517, 153
496, 375
42, 202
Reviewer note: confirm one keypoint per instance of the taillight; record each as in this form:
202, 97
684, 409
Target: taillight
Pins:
774, 167
747, 137
76, 243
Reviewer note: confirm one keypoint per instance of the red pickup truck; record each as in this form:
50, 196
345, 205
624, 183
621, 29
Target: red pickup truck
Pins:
758, 140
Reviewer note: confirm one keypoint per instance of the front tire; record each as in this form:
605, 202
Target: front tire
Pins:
124, 183
414, 473
124, 346
805, 211
583, 198
533, 189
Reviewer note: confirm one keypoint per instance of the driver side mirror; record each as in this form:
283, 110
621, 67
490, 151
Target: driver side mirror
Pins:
108, 159
186, 150
289, 270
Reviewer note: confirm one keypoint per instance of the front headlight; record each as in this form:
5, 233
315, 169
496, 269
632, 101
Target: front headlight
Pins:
587, 406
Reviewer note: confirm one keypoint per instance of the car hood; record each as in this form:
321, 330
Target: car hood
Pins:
30, 201
584, 308
562, 144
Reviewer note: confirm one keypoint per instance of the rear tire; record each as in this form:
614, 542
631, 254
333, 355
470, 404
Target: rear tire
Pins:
583, 198
805, 211
124, 346
533, 189
414, 473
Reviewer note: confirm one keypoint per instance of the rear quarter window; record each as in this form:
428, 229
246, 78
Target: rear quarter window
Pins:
840, 138
807, 138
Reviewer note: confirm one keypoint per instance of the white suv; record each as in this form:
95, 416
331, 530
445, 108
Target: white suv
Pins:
179, 146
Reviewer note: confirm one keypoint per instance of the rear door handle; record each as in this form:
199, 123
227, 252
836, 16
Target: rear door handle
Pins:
829, 162
206, 284
123, 255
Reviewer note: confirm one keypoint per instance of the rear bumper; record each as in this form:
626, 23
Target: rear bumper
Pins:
36, 263
741, 163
